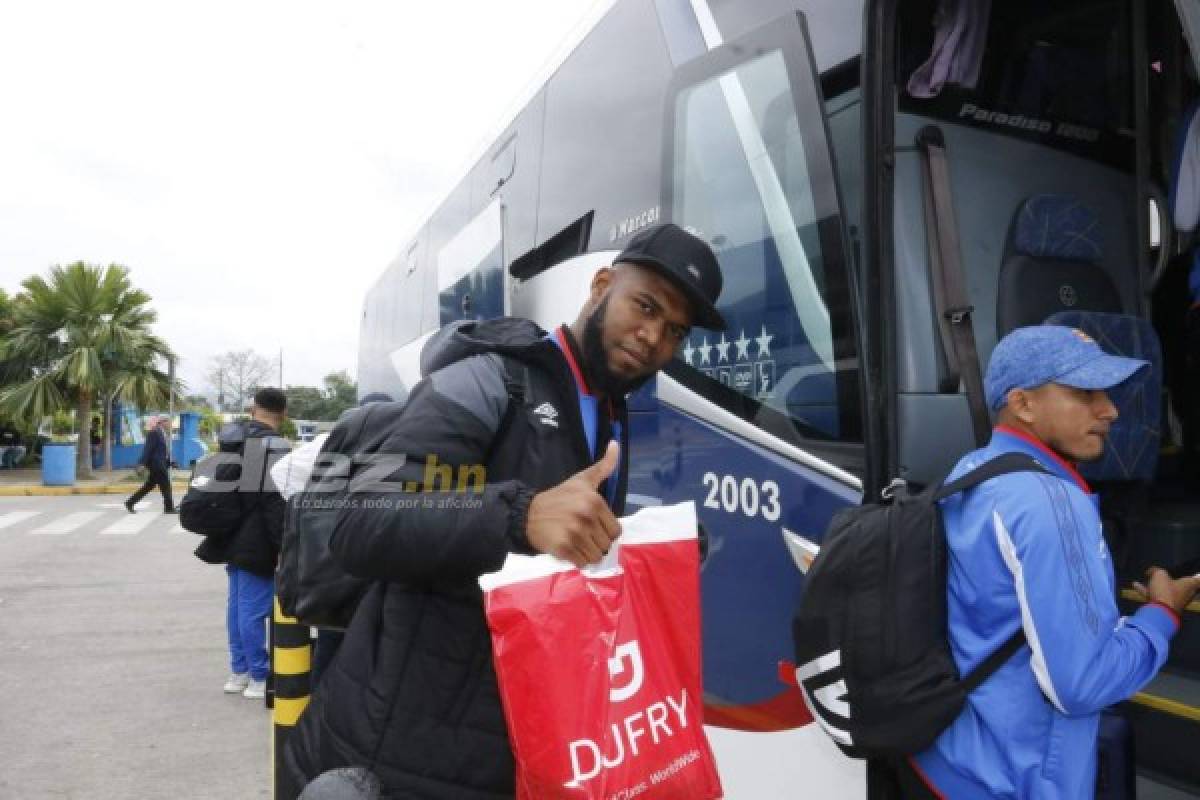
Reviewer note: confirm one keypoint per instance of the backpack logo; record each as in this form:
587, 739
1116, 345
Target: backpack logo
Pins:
632, 654
824, 691
548, 414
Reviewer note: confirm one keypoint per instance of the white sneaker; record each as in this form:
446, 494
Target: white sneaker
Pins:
255, 690
237, 682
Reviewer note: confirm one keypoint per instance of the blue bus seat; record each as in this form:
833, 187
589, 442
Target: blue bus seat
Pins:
1133, 441
1141, 531
1052, 264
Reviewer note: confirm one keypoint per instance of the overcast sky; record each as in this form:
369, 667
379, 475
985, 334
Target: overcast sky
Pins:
255, 164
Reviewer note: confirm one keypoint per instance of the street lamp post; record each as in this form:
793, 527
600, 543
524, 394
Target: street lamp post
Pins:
170, 410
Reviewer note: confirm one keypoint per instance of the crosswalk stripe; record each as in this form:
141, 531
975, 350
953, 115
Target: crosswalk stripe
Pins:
15, 517
68, 523
130, 524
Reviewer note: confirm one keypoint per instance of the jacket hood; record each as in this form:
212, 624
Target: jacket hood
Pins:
512, 336
233, 435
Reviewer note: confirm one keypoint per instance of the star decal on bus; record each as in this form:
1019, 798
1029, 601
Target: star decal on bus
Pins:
722, 349
743, 346
764, 342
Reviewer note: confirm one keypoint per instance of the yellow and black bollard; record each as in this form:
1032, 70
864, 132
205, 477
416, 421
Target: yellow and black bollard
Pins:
291, 664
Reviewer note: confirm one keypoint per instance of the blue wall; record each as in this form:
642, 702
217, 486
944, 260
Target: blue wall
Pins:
186, 448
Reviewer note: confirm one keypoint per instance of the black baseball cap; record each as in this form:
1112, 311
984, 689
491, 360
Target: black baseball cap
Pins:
687, 261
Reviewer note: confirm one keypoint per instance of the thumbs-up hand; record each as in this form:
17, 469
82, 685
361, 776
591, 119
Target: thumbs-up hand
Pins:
572, 521
598, 473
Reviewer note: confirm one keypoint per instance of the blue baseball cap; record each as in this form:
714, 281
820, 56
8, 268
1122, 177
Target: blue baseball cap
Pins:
1031, 357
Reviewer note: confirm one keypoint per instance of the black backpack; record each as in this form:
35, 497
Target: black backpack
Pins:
211, 507
310, 584
872, 646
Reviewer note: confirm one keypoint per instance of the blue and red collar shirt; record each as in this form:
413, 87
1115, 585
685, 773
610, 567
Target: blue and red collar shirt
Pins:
600, 423
1026, 550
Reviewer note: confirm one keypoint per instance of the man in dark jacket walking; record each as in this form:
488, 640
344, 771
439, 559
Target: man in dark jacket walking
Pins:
156, 458
251, 551
412, 694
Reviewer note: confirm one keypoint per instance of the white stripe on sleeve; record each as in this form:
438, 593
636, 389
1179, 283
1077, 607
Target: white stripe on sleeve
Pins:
1009, 551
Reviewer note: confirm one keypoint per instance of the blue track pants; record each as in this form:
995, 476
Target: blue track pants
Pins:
246, 613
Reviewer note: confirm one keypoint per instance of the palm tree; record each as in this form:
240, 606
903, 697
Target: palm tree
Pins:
10, 371
82, 334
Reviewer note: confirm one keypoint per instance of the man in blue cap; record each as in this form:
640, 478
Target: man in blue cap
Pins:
1026, 551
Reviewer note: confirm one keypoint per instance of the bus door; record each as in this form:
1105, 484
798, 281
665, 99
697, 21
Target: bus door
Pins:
1060, 121
760, 425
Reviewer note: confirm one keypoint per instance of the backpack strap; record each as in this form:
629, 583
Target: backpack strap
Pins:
1000, 465
517, 387
993, 662
517, 383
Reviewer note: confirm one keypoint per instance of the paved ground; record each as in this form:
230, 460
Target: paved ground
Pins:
33, 475
112, 656
28, 481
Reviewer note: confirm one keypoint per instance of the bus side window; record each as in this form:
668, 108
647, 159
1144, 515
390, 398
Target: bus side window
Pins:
470, 269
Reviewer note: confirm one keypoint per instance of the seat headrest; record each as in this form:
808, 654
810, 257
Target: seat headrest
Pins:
1057, 226
1131, 453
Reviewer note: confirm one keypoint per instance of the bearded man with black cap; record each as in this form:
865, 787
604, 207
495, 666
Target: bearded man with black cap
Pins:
515, 441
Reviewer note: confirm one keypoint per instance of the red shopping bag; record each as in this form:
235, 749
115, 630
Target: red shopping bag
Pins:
599, 669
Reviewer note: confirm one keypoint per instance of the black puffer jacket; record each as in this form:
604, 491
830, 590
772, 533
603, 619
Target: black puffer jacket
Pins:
254, 546
412, 694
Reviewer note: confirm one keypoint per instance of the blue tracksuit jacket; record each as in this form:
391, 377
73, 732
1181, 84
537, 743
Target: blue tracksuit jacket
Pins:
1026, 549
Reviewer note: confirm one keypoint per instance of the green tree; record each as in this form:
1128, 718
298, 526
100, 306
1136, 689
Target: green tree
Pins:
287, 429
7, 309
82, 335
11, 370
62, 425
341, 393
305, 402
328, 403
210, 423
